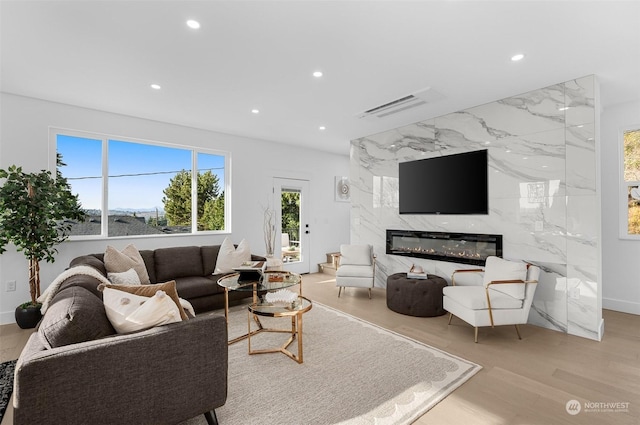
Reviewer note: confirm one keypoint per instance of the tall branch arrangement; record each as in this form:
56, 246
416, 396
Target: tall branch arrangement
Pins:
269, 230
34, 209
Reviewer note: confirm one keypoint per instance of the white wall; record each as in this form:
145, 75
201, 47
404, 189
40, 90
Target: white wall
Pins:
620, 257
24, 132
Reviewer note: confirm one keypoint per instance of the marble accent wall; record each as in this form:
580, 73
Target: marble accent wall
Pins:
543, 196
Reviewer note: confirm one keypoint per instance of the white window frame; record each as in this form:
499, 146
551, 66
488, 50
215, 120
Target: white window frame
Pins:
55, 131
623, 202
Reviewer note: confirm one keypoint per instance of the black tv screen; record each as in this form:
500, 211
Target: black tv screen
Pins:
452, 184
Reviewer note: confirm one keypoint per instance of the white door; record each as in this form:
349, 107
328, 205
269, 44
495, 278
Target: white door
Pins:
290, 203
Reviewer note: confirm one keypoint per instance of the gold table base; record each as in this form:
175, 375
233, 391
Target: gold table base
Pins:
254, 286
296, 333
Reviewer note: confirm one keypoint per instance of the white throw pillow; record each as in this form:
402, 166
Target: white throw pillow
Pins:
130, 277
356, 255
129, 313
230, 257
129, 258
499, 269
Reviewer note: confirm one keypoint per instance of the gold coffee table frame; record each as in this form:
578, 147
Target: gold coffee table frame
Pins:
265, 283
302, 305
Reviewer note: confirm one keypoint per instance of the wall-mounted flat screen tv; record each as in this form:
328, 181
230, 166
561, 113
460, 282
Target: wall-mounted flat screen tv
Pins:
451, 184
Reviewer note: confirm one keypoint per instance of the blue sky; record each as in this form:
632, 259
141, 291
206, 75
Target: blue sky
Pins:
138, 172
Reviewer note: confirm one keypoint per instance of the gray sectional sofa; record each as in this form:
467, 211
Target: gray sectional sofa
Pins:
75, 369
192, 268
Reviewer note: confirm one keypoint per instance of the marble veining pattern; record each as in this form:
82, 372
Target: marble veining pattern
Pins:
543, 195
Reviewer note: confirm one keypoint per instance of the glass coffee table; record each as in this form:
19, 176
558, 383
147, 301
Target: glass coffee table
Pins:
269, 281
294, 310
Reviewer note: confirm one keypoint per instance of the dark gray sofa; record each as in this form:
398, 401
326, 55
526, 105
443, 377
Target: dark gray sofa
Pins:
75, 369
163, 375
192, 268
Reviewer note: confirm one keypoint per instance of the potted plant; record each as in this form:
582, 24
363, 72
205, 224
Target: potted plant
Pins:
34, 209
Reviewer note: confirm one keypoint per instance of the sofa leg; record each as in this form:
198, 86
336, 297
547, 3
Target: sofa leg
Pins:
450, 317
339, 290
369, 293
476, 335
211, 417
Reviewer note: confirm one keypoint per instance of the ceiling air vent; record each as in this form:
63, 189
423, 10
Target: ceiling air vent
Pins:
411, 101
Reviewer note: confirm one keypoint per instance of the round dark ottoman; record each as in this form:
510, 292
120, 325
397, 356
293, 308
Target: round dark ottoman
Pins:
415, 297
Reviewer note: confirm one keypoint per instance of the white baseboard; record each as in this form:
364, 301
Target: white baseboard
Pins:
7, 317
621, 305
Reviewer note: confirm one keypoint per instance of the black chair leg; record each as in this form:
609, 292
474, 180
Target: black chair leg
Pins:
211, 418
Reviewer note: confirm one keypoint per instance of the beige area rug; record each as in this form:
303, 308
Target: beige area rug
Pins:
354, 372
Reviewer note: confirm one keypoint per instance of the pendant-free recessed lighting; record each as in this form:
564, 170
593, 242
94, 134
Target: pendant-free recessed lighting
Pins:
156, 86
193, 24
255, 111
322, 127
518, 57
317, 74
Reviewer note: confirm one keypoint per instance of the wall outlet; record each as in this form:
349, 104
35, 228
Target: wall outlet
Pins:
574, 293
11, 286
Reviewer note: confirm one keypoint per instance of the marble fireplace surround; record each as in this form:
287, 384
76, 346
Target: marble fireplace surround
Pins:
543, 197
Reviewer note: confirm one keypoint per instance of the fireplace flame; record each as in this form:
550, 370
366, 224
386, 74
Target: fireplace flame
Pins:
455, 247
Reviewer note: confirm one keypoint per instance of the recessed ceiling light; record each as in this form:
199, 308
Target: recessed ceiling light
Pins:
193, 24
322, 127
255, 111
317, 74
156, 86
518, 57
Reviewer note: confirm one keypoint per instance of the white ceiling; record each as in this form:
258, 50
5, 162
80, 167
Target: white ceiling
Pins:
261, 54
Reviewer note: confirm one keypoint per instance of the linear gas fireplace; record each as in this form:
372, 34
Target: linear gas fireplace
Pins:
466, 248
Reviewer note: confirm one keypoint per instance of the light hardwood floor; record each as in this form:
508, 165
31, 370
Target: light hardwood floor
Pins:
526, 381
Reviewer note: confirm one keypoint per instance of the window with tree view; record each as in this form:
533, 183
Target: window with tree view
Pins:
631, 177
129, 188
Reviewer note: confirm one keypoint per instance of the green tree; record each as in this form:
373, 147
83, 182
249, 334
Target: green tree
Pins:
177, 199
213, 215
158, 220
291, 214
632, 155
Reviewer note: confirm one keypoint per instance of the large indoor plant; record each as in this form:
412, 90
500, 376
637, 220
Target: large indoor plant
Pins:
34, 209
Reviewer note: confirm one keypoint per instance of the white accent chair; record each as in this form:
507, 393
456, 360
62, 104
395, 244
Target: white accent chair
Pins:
356, 267
503, 298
